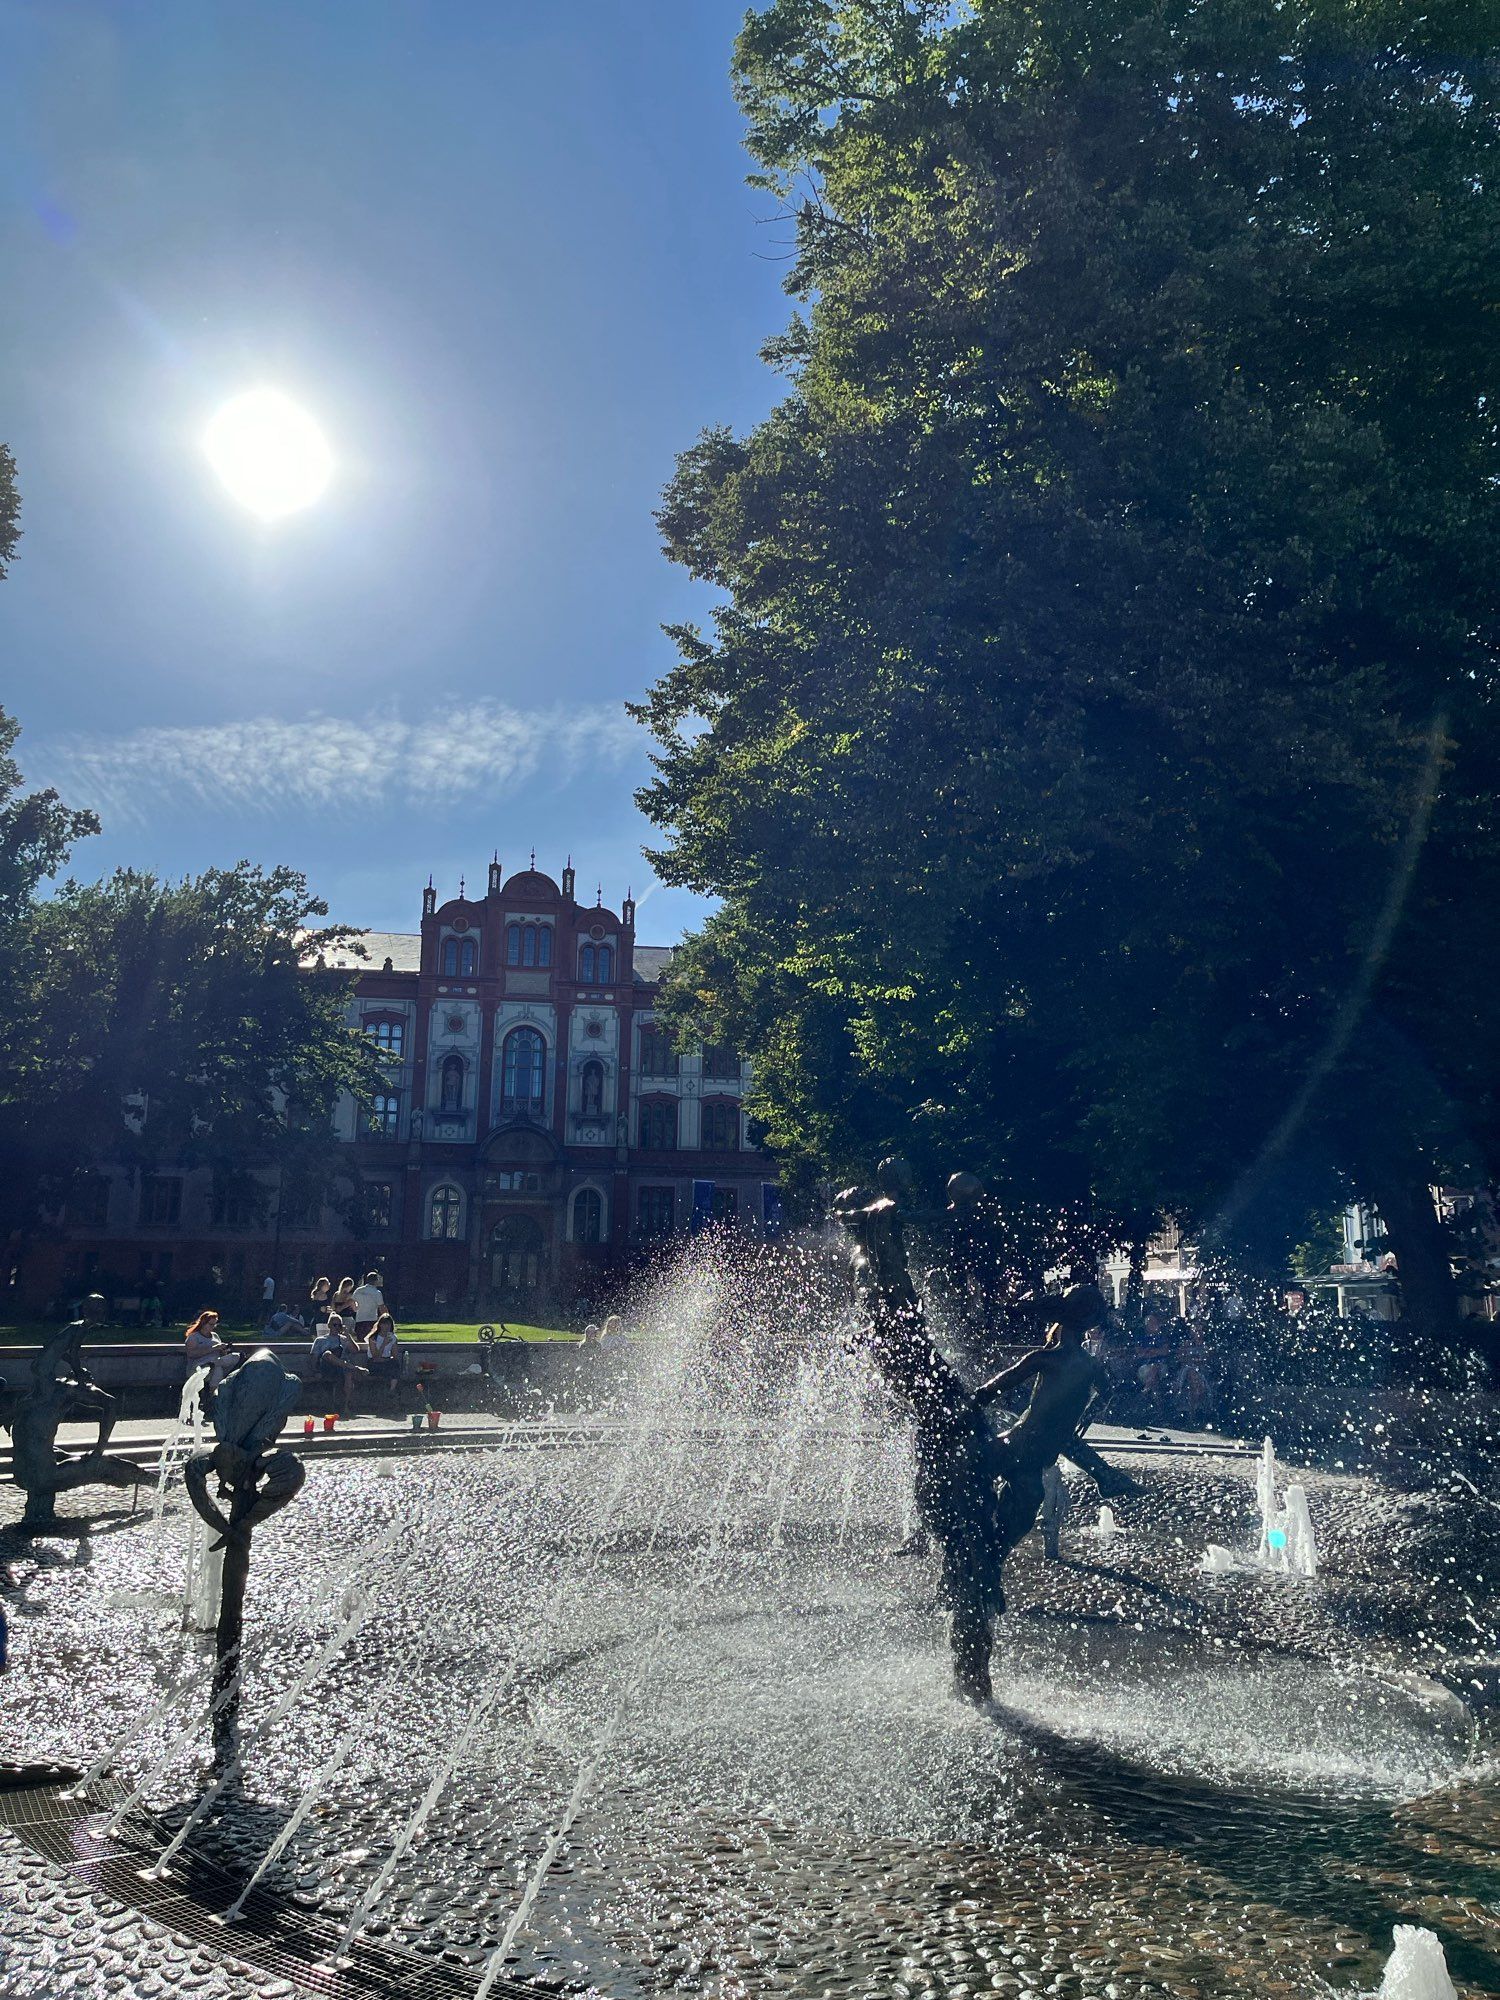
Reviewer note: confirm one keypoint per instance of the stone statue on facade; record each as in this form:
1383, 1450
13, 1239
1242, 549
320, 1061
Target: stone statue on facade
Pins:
61, 1387
255, 1481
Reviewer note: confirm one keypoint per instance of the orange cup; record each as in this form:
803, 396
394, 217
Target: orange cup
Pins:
434, 1417
330, 1420
308, 1427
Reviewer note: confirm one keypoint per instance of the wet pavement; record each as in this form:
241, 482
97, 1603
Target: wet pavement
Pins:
701, 1738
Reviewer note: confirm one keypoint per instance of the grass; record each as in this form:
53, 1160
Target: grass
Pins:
29, 1333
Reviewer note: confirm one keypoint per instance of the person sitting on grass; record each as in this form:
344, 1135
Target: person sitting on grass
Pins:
284, 1325
334, 1365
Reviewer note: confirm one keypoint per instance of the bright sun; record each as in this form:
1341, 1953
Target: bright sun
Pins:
269, 453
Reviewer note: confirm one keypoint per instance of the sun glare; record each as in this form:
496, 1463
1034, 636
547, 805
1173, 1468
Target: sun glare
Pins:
269, 453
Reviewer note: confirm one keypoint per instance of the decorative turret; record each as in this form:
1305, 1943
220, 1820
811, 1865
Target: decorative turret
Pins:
568, 881
495, 874
429, 900
627, 911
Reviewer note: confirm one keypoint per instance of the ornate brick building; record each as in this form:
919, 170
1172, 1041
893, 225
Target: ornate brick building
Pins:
538, 1132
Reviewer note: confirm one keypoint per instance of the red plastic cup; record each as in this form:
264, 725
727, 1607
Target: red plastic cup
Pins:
330, 1420
308, 1427
434, 1417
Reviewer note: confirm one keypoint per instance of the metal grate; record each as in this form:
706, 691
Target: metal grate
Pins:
277, 1937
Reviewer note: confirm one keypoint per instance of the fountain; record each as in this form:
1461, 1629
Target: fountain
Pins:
1417, 1968
635, 1701
61, 1387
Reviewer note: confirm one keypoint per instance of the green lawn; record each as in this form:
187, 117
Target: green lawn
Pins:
27, 1333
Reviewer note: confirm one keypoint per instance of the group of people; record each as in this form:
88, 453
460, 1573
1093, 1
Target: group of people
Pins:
354, 1335
1164, 1362
608, 1338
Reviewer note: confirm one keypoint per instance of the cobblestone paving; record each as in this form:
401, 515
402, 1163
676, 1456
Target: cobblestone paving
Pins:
1191, 1786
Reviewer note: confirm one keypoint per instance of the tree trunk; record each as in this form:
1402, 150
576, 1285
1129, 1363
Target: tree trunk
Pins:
1429, 1294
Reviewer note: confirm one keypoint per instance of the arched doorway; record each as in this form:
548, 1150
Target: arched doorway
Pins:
517, 1260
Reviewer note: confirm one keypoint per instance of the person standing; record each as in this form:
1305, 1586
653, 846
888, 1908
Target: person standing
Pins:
369, 1304
268, 1293
320, 1299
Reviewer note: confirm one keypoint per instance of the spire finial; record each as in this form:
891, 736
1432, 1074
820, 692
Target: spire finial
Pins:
533, 860
599, 897
460, 888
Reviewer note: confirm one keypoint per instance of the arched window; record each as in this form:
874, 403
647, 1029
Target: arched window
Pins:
591, 1090
453, 1083
512, 944
387, 1033
445, 1219
721, 1125
450, 957
606, 964
523, 1072
528, 945
588, 1216
544, 945
586, 964
659, 1125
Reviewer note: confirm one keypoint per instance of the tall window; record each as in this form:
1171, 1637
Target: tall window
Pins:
236, 1205
721, 1063
88, 1200
587, 958
452, 1083
528, 944
522, 1071
591, 1090
721, 1125
161, 1201
596, 964
659, 1125
606, 964
460, 957
656, 1211
388, 1036
588, 1216
383, 1118
658, 1057
380, 1206
446, 1215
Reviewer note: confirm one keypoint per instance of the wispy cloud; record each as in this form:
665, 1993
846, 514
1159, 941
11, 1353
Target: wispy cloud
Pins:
448, 756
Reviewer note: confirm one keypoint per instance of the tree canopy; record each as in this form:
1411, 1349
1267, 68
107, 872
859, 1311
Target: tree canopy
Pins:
1093, 747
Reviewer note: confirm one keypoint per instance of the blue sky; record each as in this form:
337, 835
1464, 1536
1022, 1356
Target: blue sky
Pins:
505, 254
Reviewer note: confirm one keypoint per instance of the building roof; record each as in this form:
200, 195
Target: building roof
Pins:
651, 962
402, 948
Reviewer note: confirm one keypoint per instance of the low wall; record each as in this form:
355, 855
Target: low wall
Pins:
148, 1375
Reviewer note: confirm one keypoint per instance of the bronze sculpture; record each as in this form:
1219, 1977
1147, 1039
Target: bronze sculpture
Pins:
249, 1409
61, 1388
977, 1492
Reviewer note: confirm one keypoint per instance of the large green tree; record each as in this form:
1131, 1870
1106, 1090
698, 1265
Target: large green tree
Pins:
1093, 747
